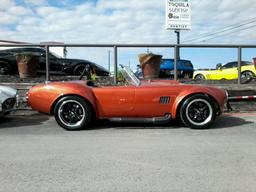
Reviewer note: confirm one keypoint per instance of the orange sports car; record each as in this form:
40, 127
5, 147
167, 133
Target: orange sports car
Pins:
76, 104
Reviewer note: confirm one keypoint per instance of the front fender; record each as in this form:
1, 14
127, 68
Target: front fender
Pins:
218, 95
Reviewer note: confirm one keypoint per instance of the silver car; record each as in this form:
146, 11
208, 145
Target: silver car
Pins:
8, 100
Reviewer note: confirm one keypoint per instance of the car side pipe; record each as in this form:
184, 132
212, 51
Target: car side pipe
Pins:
153, 120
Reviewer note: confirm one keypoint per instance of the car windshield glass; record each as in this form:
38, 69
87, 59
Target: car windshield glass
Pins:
50, 53
56, 55
129, 76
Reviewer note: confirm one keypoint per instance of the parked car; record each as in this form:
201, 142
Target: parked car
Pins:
8, 100
228, 71
58, 65
77, 104
184, 67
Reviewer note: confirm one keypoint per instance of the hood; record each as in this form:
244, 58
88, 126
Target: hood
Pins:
71, 61
7, 92
67, 60
158, 82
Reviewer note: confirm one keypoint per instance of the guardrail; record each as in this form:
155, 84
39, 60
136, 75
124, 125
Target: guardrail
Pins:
115, 47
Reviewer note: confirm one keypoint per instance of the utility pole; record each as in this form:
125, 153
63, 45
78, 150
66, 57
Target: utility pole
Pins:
178, 42
109, 60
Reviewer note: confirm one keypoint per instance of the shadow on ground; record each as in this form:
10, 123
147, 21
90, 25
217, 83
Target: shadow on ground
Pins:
36, 119
220, 123
22, 120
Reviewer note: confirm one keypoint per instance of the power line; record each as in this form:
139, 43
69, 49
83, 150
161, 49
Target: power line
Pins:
227, 28
230, 26
216, 36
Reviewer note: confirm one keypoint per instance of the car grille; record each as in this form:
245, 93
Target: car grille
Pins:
8, 104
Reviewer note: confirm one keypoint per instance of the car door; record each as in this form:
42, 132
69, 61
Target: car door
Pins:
116, 101
230, 71
222, 72
53, 61
153, 101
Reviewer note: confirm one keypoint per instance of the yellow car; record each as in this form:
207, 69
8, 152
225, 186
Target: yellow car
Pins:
228, 71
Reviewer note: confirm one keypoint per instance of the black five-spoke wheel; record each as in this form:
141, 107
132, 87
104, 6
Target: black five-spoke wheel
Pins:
198, 111
72, 113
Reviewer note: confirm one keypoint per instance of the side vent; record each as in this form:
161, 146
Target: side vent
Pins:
164, 100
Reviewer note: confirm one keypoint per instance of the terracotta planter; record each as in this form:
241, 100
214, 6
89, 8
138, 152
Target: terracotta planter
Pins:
27, 64
150, 65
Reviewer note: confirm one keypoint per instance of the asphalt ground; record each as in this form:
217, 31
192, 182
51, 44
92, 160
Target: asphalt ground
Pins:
38, 155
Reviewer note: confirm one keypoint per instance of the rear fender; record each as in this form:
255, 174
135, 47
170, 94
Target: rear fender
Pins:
86, 94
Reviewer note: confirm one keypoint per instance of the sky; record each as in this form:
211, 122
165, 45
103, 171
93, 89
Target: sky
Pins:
128, 22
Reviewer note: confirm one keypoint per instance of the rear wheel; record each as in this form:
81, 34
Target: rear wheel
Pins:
73, 113
246, 75
198, 111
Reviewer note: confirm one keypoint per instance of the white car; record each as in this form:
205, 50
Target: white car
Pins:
8, 100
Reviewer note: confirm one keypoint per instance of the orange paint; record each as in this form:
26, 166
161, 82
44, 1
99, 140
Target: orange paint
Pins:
123, 101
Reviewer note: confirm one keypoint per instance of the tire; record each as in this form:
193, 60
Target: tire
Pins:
198, 111
4, 68
73, 113
247, 75
187, 75
199, 76
79, 69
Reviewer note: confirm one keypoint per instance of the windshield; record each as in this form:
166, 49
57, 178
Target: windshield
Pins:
55, 55
129, 76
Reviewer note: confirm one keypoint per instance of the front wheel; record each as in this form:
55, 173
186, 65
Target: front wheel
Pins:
198, 111
199, 76
72, 113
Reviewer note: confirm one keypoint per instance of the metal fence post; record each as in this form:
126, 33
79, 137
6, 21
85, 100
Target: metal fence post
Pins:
115, 64
175, 62
239, 64
47, 64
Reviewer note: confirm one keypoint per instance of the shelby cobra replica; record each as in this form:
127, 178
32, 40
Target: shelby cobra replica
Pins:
8, 100
76, 104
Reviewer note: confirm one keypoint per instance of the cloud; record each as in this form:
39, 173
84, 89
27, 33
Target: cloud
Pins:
6, 3
35, 2
115, 21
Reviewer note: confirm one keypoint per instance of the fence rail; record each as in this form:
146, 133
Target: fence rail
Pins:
115, 47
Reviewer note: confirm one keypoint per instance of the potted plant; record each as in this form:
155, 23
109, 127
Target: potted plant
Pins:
27, 63
150, 65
